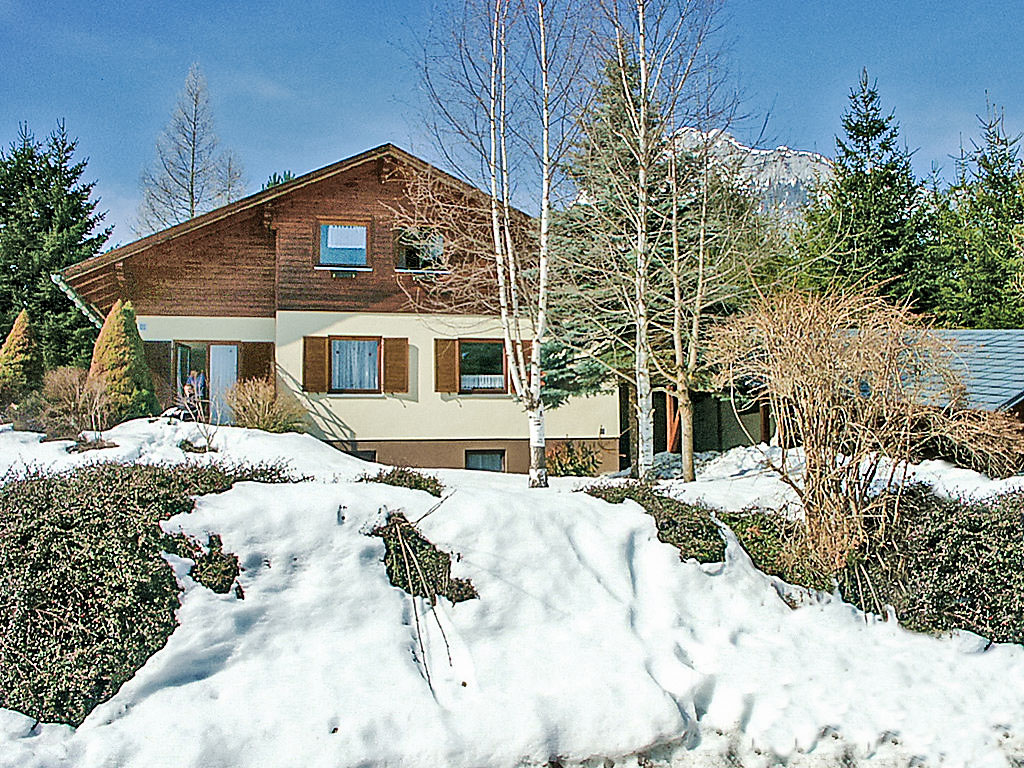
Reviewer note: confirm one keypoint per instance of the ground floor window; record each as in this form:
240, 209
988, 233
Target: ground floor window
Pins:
481, 366
488, 461
355, 365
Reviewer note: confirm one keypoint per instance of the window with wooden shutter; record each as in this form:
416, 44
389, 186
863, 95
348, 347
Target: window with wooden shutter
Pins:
315, 364
396, 365
256, 360
446, 365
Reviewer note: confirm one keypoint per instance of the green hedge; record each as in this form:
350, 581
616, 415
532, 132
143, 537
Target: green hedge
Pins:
945, 564
85, 594
405, 477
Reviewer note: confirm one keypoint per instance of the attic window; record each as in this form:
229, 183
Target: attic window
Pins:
343, 245
418, 250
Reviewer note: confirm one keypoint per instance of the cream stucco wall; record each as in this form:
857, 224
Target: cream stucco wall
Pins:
164, 328
422, 413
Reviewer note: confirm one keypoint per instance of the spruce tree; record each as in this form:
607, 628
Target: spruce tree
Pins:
119, 360
21, 367
869, 223
980, 256
48, 221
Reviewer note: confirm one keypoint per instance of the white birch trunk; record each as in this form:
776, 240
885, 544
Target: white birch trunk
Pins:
538, 458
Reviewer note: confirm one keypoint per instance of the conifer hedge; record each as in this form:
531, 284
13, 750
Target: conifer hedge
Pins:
21, 364
119, 360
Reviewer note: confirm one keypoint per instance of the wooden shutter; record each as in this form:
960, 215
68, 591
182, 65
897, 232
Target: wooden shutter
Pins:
256, 360
160, 357
396, 365
446, 365
315, 364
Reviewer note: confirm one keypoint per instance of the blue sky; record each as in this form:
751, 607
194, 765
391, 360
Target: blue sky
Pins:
299, 86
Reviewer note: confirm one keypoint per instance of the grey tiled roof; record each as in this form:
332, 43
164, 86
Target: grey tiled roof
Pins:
991, 363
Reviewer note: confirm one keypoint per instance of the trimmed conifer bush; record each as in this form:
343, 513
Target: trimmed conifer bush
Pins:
119, 358
21, 364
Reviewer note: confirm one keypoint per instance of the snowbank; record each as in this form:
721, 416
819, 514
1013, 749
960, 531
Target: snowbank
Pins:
590, 641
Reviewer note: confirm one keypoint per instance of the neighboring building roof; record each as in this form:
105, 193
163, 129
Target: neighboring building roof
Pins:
991, 364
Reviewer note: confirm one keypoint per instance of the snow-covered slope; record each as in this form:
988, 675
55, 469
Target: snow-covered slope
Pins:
590, 643
782, 177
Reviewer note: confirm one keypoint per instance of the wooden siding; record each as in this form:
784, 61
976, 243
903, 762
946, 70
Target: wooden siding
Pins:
359, 195
223, 270
256, 260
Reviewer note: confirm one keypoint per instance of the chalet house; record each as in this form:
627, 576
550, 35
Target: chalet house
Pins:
308, 282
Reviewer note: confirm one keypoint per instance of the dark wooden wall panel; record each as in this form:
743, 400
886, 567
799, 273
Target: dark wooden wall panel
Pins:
225, 269
360, 195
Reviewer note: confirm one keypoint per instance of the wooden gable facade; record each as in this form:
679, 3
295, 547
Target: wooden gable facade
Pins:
259, 255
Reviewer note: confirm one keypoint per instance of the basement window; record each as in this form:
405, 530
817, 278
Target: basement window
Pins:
342, 245
487, 461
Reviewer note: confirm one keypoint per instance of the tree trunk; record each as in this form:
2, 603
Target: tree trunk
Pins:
644, 461
538, 456
685, 407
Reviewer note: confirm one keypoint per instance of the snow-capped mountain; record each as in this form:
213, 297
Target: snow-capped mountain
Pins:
781, 176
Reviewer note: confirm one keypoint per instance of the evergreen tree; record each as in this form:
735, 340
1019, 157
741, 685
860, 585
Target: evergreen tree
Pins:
119, 360
276, 179
595, 263
21, 366
980, 256
869, 223
48, 221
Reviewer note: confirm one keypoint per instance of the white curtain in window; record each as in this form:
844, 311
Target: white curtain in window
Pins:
354, 364
483, 381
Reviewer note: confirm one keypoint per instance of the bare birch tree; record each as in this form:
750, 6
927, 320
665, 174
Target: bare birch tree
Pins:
501, 85
722, 246
657, 52
190, 174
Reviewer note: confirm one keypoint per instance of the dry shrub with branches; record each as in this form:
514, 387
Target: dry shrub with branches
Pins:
74, 402
860, 384
990, 442
256, 404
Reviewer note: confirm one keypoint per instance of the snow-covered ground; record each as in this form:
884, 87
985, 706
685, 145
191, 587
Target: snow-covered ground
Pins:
590, 643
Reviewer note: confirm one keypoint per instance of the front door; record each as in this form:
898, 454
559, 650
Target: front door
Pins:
223, 375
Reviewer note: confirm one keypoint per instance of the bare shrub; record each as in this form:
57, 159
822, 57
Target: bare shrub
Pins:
74, 402
256, 404
985, 441
860, 384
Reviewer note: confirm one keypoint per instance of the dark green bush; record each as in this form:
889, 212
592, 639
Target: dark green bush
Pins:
771, 541
405, 477
689, 527
572, 459
946, 564
85, 594
215, 569
417, 566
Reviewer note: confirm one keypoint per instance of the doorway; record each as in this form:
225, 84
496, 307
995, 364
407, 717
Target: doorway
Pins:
207, 371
